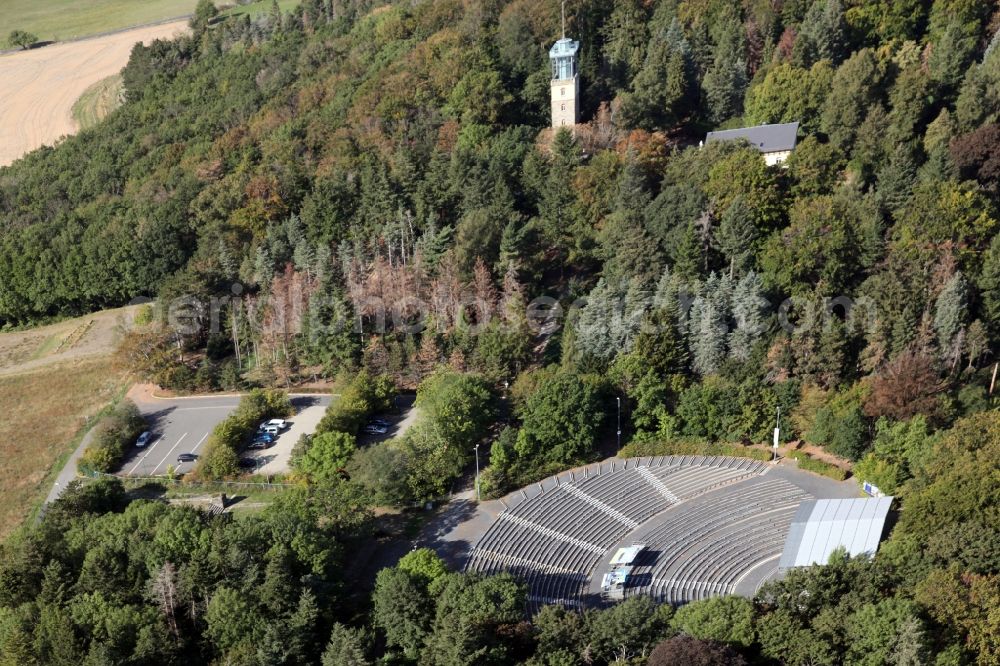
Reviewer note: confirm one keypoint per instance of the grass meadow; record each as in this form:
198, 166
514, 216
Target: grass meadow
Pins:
45, 412
98, 101
61, 20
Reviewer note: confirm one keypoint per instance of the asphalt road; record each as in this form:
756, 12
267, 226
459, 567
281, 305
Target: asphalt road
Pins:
182, 425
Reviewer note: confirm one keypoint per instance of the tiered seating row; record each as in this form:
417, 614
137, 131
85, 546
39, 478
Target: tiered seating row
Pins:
555, 533
706, 546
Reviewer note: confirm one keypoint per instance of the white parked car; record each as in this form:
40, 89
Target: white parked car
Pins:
273, 424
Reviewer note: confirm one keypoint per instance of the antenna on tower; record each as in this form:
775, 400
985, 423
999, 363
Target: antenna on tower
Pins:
564, 19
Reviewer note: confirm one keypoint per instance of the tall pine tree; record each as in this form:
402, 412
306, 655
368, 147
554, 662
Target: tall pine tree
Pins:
725, 82
663, 92
750, 315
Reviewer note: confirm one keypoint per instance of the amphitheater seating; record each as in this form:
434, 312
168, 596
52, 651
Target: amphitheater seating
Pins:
706, 545
708, 520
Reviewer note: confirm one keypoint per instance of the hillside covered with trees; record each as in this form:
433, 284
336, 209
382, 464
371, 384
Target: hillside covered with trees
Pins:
372, 191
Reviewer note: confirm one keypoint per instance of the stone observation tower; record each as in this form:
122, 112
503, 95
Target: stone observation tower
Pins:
565, 79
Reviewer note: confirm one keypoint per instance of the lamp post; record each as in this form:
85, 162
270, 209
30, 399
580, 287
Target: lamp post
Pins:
777, 434
619, 431
476, 449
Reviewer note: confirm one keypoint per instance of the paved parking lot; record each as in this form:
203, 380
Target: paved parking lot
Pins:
275, 459
182, 425
400, 418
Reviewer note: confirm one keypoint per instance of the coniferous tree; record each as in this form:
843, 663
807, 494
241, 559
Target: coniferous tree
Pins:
979, 94
976, 342
609, 323
908, 100
402, 610
629, 250
634, 308
749, 309
626, 34
708, 327
725, 81
689, 255
737, 236
557, 205
832, 354
263, 268
708, 336
433, 243
818, 342
204, 12
512, 297
856, 86
951, 52
988, 283
950, 312
274, 16
429, 356
594, 325
227, 264
661, 343
895, 181
345, 647
940, 164
821, 35
662, 340
512, 243
662, 92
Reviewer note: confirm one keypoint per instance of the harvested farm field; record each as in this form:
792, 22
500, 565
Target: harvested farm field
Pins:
39, 87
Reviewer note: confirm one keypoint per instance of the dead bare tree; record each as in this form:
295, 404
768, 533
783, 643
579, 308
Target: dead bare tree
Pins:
164, 590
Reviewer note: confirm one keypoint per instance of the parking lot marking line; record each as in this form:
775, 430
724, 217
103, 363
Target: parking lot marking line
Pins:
149, 449
200, 441
155, 469
194, 450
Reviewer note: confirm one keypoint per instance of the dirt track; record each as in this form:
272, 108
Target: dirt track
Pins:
92, 336
38, 87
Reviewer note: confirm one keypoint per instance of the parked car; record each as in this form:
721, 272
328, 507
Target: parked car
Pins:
280, 424
264, 437
144, 439
186, 457
375, 429
247, 463
379, 422
258, 444
270, 430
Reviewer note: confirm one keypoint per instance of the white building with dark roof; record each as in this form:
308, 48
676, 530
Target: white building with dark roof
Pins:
776, 142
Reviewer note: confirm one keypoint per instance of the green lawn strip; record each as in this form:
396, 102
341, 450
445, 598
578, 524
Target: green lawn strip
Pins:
61, 20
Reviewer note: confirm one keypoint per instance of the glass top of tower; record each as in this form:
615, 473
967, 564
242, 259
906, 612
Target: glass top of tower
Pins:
563, 58
564, 48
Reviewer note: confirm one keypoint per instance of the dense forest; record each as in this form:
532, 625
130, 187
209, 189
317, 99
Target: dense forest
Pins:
372, 192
